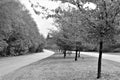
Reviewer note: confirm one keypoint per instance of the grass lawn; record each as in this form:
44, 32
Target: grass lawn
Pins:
58, 68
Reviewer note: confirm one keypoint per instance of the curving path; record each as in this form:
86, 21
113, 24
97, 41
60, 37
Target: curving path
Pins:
10, 64
111, 56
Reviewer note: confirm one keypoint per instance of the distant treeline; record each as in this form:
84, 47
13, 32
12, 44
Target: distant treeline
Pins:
18, 31
53, 45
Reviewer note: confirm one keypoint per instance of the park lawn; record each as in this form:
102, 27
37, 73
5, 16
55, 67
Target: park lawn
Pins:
58, 68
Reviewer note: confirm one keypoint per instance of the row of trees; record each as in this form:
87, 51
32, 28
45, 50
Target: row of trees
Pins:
83, 26
68, 36
18, 32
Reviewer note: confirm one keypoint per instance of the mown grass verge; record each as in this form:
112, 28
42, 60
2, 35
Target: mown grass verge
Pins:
58, 68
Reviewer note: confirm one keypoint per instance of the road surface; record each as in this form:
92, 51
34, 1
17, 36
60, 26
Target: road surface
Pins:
104, 56
10, 64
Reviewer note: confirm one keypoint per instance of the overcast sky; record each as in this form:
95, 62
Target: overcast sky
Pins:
43, 24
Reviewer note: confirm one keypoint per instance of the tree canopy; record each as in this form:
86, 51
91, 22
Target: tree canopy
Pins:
18, 31
101, 24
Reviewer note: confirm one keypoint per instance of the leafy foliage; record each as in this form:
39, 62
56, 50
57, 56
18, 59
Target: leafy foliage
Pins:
101, 24
67, 21
18, 31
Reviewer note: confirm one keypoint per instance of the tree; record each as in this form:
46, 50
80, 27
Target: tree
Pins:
61, 39
18, 31
67, 22
101, 23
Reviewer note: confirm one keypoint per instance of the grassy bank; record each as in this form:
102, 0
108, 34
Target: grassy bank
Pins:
58, 68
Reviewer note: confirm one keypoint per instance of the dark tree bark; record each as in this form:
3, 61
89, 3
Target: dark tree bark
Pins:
79, 54
76, 55
64, 52
100, 59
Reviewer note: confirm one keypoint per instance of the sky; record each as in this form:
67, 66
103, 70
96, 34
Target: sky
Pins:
43, 24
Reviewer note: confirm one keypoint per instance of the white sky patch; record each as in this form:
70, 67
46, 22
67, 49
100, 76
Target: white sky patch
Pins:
90, 5
49, 4
67, 5
43, 24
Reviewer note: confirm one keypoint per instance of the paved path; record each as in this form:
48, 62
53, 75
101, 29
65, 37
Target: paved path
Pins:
10, 64
104, 56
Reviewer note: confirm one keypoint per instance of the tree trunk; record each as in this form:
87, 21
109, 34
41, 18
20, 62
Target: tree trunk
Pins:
76, 55
100, 59
64, 52
79, 54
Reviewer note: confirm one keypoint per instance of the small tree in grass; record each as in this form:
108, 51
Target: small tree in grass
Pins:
101, 23
68, 24
61, 39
